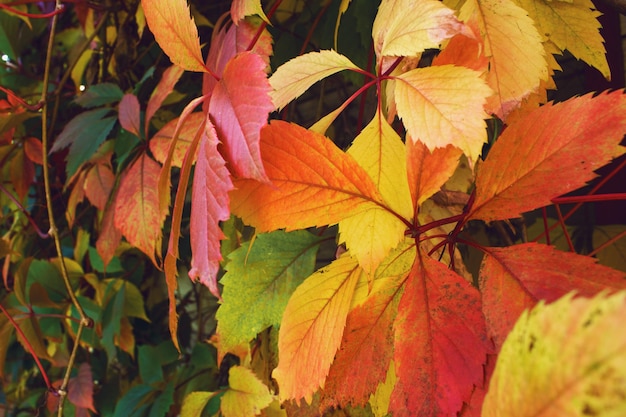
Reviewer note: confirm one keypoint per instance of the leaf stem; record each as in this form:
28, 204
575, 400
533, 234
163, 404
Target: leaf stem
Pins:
25, 212
33, 15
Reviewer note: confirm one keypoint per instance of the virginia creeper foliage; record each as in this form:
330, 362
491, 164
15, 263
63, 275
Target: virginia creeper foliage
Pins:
399, 319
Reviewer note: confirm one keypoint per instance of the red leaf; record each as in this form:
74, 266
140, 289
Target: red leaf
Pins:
209, 206
129, 114
515, 278
549, 152
22, 173
137, 213
80, 388
33, 149
109, 238
163, 89
440, 342
239, 108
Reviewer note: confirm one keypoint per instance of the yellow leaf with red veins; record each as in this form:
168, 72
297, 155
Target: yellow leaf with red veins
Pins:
137, 213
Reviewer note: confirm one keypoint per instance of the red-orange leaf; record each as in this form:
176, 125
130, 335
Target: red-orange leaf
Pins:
549, 152
109, 237
313, 182
209, 206
175, 32
514, 278
161, 141
239, 108
99, 182
137, 213
163, 89
129, 114
440, 342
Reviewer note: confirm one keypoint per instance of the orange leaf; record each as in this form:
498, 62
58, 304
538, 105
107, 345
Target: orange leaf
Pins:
312, 327
166, 85
313, 182
242, 8
99, 182
109, 237
33, 149
428, 171
239, 107
137, 213
549, 152
514, 278
175, 32
440, 343
22, 173
209, 206
161, 141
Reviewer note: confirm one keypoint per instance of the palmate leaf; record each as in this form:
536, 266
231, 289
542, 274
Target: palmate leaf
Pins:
440, 342
312, 327
437, 118
549, 152
313, 182
515, 278
175, 32
257, 286
587, 335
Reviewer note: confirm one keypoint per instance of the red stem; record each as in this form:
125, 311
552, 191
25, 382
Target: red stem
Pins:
23, 210
562, 223
589, 198
33, 15
263, 25
608, 243
29, 346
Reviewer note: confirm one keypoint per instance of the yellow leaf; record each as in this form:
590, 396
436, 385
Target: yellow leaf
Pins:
379, 400
194, 403
242, 8
246, 395
312, 328
567, 358
296, 76
517, 62
437, 118
371, 234
175, 31
573, 26
408, 27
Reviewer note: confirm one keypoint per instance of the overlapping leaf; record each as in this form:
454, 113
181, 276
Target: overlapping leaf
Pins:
510, 282
175, 32
129, 114
585, 334
440, 342
242, 8
161, 141
166, 85
313, 182
312, 327
437, 118
257, 286
562, 142
517, 61
137, 213
209, 206
246, 395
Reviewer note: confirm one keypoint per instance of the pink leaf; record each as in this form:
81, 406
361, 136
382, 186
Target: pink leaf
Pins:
129, 114
239, 108
209, 205
80, 388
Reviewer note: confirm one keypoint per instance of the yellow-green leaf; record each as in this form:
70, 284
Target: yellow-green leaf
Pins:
567, 358
438, 118
246, 395
194, 403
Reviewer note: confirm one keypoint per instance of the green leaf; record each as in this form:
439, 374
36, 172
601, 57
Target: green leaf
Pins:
99, 95
150, 369
113, 313
133, 402
163, 402
259, 281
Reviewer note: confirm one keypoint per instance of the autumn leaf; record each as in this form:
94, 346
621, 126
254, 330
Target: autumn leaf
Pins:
175, 32
571, 25
437, 118
370, 234
129, 114
242, 8
517, 62
407, 27
246, 395
588, 336
22, 173
296, 76
313, 182
99, 182
209, 206
163, 89
440, 342
257, 287
162, 140
562, 142
515, 278
239, 107
109, 237
312, 327
194, 403
137, 213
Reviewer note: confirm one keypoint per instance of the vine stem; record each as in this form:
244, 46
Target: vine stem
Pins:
84, 320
